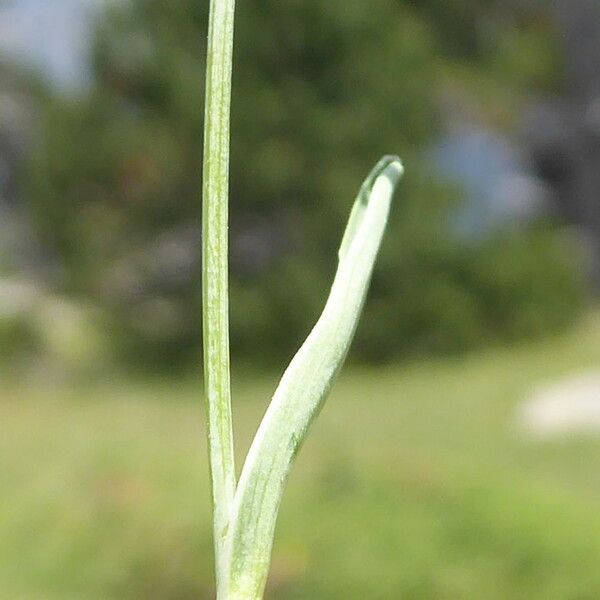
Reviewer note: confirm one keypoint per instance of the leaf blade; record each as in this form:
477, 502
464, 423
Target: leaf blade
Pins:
305, 386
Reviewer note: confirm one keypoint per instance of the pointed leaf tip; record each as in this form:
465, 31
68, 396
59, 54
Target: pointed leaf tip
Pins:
390, 167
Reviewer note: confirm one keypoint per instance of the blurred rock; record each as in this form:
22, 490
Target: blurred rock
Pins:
563, 132
69, 334
35, 324
570, 406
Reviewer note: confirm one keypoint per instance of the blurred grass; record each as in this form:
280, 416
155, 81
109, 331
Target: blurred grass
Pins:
413, 485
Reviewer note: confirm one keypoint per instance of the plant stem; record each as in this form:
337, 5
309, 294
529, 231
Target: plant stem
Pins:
215, 273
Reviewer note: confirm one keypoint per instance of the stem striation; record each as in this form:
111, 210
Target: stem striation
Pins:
215, 274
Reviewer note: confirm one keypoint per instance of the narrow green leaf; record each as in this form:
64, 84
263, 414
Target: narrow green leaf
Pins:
304, 387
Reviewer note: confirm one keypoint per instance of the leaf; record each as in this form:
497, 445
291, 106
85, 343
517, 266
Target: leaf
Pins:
304, 388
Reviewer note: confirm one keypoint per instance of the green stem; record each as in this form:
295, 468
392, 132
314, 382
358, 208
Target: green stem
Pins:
215, 272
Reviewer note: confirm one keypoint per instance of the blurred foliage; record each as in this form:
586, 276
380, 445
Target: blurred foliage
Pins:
321, 91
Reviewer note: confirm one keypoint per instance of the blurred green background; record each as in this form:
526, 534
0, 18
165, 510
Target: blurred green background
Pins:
428, 476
